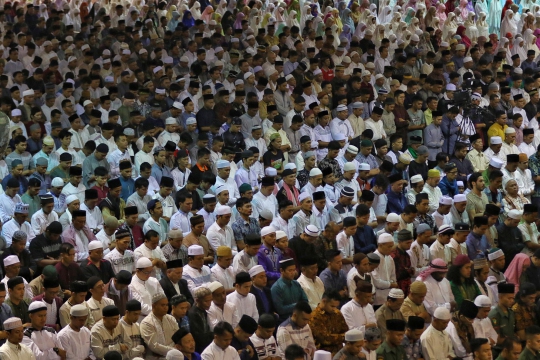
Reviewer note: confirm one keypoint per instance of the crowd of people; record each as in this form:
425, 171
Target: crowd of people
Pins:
274, 180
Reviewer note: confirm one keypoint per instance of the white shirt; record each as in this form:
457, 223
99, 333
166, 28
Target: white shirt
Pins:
383, 276
314, 289
40, 221
419, 255
219, 236
357, 316
228, 314
434, 195
12, 225
120, 262
214, 352
96, 307
225, 276
142, 157
42, 343
180, 220
145, 251
143, 291
239, 260
459, 349
106, 240
264, 348
346, 246
438, 294
69, 189
7, 206
436, 345
196, 278
76, 344
260, 202
440, 251
377, 127
245, 305
12, 352
483, 328
94, 218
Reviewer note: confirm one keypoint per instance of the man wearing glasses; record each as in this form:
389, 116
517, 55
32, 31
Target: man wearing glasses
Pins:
448, 183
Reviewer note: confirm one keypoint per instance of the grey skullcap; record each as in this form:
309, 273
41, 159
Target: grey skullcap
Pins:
19, 236
372, 334
422, 150
422, 228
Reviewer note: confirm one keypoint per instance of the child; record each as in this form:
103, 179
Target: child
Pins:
461, 187
102, 176
345, 243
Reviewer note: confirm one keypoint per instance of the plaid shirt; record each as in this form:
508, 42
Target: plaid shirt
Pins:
171, 253
241, 228
534, 166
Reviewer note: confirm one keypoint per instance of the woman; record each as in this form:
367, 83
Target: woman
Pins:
512, 200
508, 24
515, 273
206, 16
274, 156
196, 10
482, 25
525, 309
238, 23
450, 27
327, 68
461, 282
481, 272
470, 31
187, 19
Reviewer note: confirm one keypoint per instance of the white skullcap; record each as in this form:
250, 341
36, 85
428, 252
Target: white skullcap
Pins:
170, 121
37, 306
347, 59
16, 112
267, 230
341, 107
157, 68
57, 182
311, 230
317, 72
364, 167
392, 217
460, 198
160, 91
270, 171
445, 44
396, 294
78, 310
385, 238
105, 52
71, 198
352, 149
145, 262
416, 179
349, 166
315, 172
93, 245
247, 75
442, 313
339, 137
280, 234
144, 51
482, 301
476, 96
467, 59
354, 335
222, 164
496, 162
175, 354
194, 250
415, 38
87, 102
515, 214
11, 260
256, 270
28, 93
509, 130
184, 59
303, 196
223, 210
214, 285
451, 87
446, 200
12, 323
495, 255
191, 121
459, 183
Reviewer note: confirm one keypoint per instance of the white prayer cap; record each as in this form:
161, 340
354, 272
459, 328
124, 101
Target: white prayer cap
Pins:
247, 75
354, 335
78, 310
250, 37
257, 269
385, 238
16, 112
482, 301
21, 208
379, 76
267, 230
476, 96
36, 306
166, 59
87, 102
339, 137
170, 121
280, 234
290, 166
315, 172
235, 40
256, 69
84, 47
157, 68
416, 179
175, 354
267, 215
450, 87
459, 183
222, 164
71, 198
352, 149
341, 107
184, 59
364, 167
460, 47
445, 44
218, 63
218, 49
57, 182
289, 77
28, 93
460, 198
48, 43
415, 38
496, 162
396, 294
194, 250
518, 71
70, 39
347, 59
365, 73
368, 32
144, 51
392, 217
322, 355
467, 59
495, 255
160, 91
145, 262
274, 48
311, 230
11, 260
303, 196
349, 166
214, 285
270, 171
12, 323
370, 65
446, 200
509, 130
126, 52
238, 82
107, 52
191, 121
93, 245
178, 105
218, 190
442, 313
317, 72
223, 210
515, 214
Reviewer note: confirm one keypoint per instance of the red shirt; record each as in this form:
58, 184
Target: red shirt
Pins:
328, 75
102, 193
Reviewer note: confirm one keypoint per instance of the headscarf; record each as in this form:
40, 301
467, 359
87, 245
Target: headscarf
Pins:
436, 265
519, 49
464, 38
441, 13
506, 7
346, 19
515, 269
238, 23
187, 19
536, 33
206, 16
196, 10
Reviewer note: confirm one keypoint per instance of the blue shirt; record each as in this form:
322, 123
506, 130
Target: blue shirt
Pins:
365, 240
333, 282
396, 202
128, 187
22, 181
476, 243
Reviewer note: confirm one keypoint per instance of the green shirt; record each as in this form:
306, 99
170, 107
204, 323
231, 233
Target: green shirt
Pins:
504, 324
388, 352
57, 171
527, 354
34, 203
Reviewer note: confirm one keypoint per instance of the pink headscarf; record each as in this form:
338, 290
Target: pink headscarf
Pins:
515, 269
536, 33
436, 265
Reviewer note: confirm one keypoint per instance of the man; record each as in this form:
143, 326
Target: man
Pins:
286, 291
180, 219
78, 289
220, 233
156, 222
106, 335
173, 284
121, 258
17, 260
41, 339
151, 250
198, 318
435, 340
391, 348
438, 287
223, 335
481, 348
18, 223
354, 340
502, 316
131, 330
242, 298
195, 272
74, 186
158, 328
222, 270
45, 216
482, 324
296, 330
411, 341
390, 309
310, 282
477, 244
433, 191
510, 238
75, 337
97, 301
385, 275
17, 294
221, 309
477, 198
358, 312
96, 265
79, 235
143, 287
372, 341
13, 348
328, 324
333, 277
439, 249
532, 346
265, 199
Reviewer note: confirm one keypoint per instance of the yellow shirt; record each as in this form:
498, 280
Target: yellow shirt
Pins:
496, 130
428, 115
